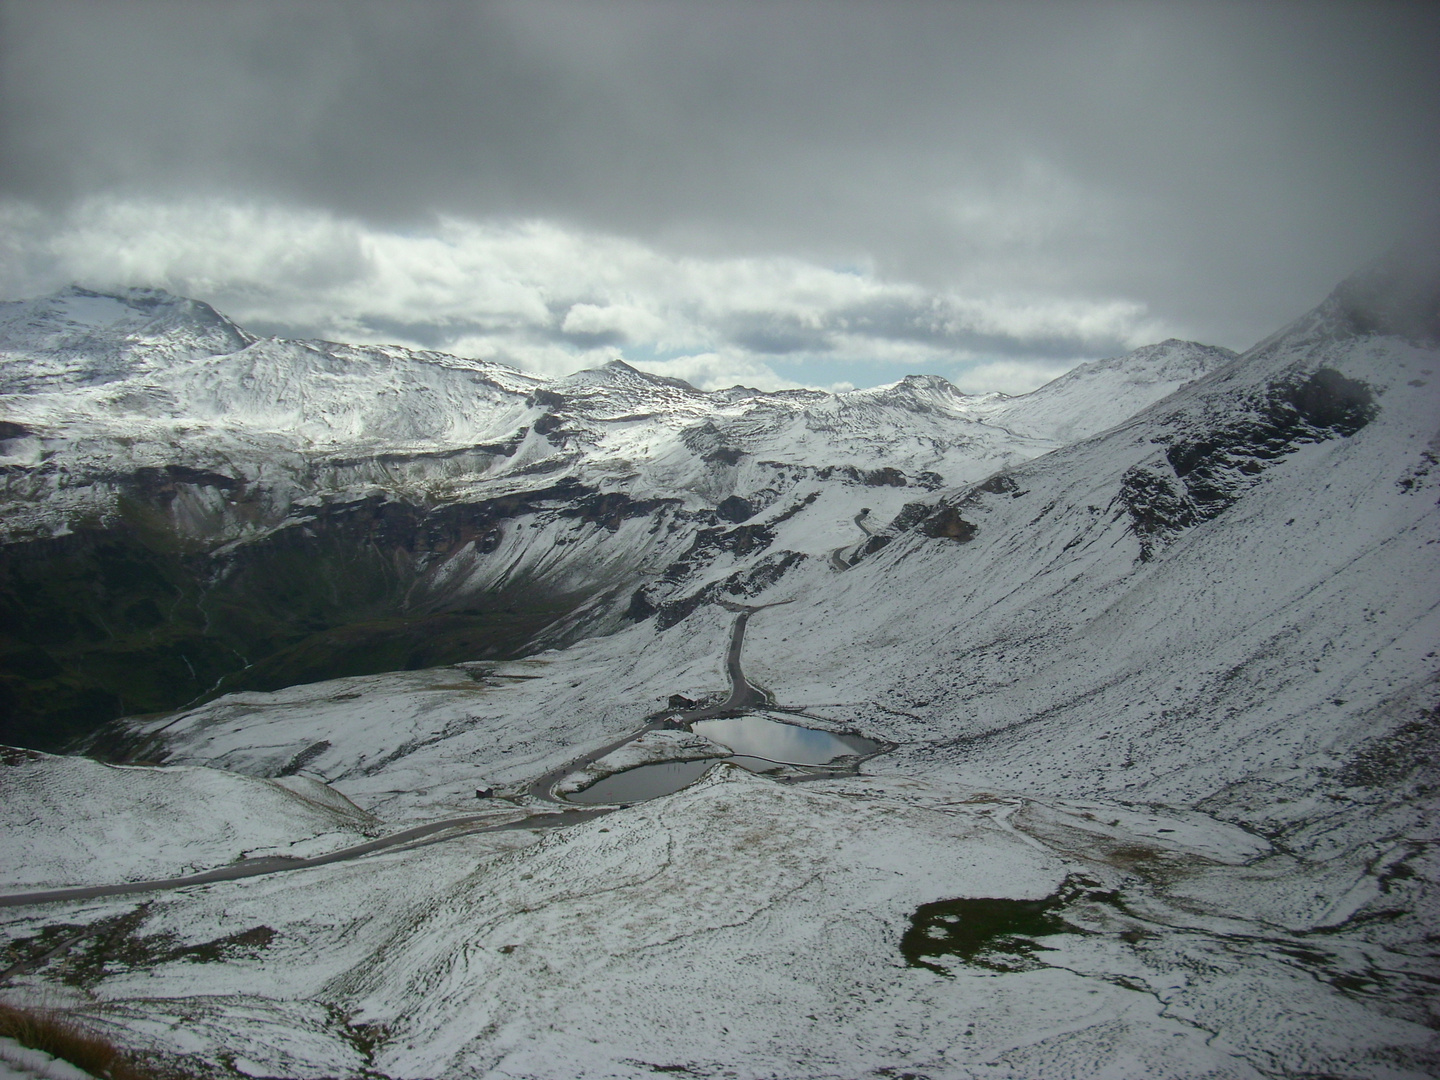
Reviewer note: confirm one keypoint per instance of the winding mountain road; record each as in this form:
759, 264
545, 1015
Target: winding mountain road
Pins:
837, 555
459, 826
743, 695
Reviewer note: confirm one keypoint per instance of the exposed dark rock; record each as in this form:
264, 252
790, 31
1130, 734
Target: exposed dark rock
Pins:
910, 515
763, 574
11, 430
999, 484
724, 455
640, 607
872, 545
883, 477
1330, 403
735, 509
1204, 472
793, 510
547, 422
506, 448
741, 540
1158, 505
611, 508
742, 583
672, 612
162, 484
304, 757
707, 441
946, 523
546, 399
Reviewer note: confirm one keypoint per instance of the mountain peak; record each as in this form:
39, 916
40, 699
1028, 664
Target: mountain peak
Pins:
1173, 360
927, 389
617, 371
108, 334
1398, 294
141, 297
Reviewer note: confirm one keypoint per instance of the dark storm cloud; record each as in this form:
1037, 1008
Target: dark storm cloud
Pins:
901, 319
1222, 163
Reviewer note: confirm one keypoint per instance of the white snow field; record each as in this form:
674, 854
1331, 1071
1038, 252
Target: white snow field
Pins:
1161, 801
70, 821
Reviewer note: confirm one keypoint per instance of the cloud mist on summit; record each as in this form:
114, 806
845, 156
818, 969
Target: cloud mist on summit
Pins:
775, 194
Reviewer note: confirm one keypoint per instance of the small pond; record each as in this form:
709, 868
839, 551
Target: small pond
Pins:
643, 782
791, 744
759, 744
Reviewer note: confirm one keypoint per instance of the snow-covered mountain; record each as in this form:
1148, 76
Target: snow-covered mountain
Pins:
1158, 707
93, 383
79, 338
144, 437
1100, 394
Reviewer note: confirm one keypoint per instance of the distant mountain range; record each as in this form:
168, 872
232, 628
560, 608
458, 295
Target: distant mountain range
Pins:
152, 445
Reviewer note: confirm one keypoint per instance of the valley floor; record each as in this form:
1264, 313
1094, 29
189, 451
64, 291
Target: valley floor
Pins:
739, 928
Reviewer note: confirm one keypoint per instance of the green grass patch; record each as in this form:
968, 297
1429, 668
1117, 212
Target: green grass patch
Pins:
996, 934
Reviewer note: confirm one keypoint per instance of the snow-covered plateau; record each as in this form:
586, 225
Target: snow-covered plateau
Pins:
1151, 655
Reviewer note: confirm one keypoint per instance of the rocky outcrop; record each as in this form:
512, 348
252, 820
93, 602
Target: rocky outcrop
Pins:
947, 524
735, 509
1204, 470
740, 540
745, 583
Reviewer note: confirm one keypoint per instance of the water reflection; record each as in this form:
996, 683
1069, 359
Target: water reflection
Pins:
642, 782
761, 737
759, 744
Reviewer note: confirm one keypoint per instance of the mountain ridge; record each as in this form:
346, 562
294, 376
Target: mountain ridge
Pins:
196, 463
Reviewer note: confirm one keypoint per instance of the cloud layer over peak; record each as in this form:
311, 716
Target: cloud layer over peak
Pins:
996, 182
550, 299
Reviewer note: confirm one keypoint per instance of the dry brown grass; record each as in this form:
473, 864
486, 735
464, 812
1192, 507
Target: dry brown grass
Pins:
60, 1036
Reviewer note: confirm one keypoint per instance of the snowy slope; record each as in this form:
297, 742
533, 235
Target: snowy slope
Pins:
1101, 393
199, 475
79, 338
71, 821
750, 929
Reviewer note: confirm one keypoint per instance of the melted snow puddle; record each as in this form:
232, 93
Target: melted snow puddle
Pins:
759, 744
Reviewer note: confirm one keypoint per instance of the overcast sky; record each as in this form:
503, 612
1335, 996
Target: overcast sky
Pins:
777, 193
